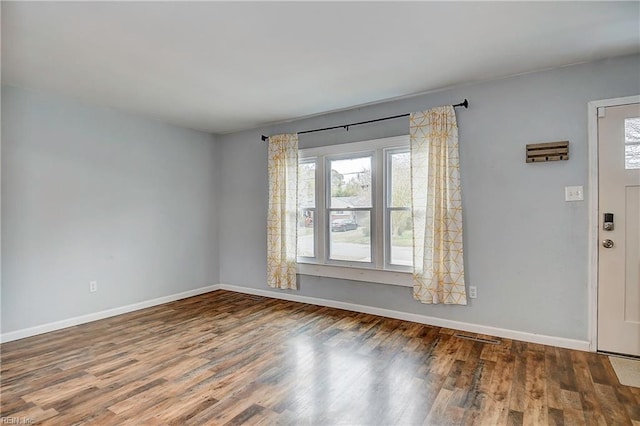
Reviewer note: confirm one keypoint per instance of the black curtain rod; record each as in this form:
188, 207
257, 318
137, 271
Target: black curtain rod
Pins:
346, 126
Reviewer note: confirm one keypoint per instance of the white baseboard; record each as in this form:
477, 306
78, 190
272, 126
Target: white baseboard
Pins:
581, 345
542, 339
53, 326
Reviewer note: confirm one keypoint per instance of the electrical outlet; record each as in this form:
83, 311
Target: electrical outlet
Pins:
473, 292
93, 286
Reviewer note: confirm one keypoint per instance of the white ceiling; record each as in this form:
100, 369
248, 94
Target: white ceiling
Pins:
222, 67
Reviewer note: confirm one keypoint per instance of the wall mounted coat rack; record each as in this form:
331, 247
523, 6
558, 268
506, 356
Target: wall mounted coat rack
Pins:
550, 151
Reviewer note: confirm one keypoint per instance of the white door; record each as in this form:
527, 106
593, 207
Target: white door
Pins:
619, 248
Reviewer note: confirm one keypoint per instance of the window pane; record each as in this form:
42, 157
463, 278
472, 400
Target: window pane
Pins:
307, 184
350, 236
401, 238
632, 143
400, 180
306, 240
351, 182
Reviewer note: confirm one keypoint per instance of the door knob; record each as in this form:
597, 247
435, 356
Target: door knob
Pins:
607, 243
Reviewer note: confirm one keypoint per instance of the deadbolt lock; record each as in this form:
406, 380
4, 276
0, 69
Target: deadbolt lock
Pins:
607, 223
607, 243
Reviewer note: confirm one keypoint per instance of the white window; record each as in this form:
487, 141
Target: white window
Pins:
398, 224
307, 208
354, 211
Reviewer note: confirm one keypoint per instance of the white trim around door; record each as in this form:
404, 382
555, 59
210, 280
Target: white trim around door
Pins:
592, 145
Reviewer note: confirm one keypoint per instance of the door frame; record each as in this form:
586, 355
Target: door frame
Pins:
594, 218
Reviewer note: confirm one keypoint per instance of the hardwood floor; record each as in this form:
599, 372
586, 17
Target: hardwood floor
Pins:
225, 358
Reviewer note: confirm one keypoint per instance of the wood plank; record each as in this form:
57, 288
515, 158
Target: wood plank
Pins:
554, 391
547, 151
228, 358
535, 412
550, 157
547, 144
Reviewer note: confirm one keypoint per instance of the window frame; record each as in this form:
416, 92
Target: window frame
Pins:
328, 209
380, 269
300, 209
389, 208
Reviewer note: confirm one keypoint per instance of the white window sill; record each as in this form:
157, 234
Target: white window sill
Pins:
357, 274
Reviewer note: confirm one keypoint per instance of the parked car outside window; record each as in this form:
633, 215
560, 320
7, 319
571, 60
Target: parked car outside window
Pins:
342, 225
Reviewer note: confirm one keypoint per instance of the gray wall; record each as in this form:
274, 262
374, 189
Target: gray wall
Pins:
525, 247
93, 194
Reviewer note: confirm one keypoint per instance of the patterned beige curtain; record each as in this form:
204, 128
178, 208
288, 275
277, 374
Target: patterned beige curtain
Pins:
283, 206
438, 271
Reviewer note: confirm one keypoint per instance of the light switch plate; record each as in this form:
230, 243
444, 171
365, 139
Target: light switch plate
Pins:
573, 193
